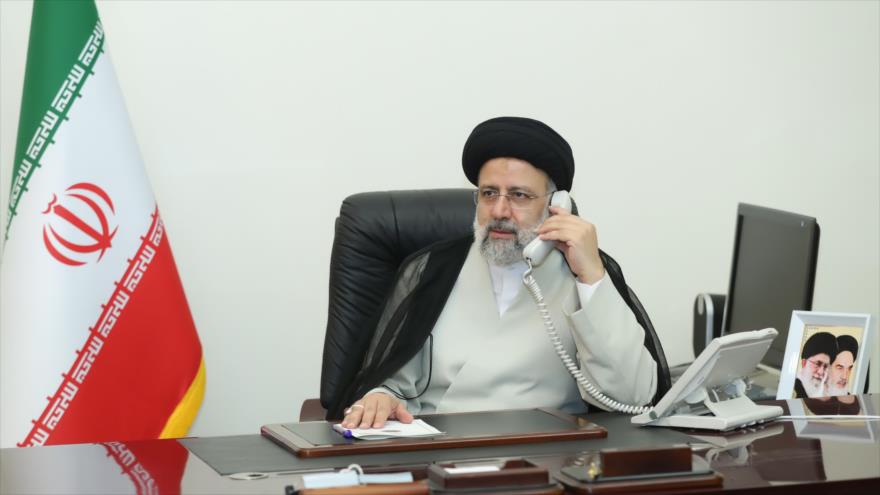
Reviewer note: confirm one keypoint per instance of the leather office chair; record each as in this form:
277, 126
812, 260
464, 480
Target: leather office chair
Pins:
375, 232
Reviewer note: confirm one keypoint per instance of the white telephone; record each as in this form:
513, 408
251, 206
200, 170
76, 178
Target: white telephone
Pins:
535, 253
537, 250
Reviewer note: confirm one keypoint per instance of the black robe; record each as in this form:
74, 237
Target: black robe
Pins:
419, 293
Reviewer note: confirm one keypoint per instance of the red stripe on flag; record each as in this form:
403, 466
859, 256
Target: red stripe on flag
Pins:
137, 362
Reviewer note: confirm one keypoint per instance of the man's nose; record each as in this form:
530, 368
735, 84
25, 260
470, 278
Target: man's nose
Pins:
501, 208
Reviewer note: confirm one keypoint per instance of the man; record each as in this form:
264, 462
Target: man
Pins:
842, 366
487, 347
816, 356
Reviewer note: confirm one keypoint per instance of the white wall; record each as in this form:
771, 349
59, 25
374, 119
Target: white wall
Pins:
256, 119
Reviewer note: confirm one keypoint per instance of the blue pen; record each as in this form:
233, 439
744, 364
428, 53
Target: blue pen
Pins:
346, 433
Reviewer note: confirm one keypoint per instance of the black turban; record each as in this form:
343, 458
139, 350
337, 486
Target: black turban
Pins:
848, 343
820, 343
519, 137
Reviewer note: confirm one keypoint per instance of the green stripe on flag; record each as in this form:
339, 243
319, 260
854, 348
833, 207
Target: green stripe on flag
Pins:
66, 40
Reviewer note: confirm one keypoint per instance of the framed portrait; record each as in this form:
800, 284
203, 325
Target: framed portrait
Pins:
826, 355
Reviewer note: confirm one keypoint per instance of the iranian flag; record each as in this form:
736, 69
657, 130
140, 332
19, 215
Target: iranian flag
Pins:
96, 337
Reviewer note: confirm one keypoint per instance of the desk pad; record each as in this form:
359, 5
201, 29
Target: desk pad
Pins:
471, 429
246, 453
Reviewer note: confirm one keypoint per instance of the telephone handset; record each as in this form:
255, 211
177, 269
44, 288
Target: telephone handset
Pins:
538, 249
535, 253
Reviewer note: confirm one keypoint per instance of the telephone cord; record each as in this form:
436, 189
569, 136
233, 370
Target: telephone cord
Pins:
569, 363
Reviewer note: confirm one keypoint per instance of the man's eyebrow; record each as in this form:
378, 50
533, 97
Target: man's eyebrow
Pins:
522, 189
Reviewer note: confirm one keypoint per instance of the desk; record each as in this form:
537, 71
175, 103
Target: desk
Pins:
784, 457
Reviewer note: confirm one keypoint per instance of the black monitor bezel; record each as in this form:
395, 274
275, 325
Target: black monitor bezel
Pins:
744, 210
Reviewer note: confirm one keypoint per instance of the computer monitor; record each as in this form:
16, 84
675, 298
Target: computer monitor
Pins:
772, 274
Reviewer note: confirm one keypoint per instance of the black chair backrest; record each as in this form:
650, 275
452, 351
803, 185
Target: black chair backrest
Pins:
375, 232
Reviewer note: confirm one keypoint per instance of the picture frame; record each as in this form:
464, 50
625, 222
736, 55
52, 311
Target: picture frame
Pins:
826, 355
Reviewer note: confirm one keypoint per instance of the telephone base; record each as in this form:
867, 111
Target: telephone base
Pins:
725, 415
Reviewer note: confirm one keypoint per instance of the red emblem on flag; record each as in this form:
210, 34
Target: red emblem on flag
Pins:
79, 224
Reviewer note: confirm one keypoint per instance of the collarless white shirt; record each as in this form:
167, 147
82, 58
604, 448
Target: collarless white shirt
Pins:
507, 282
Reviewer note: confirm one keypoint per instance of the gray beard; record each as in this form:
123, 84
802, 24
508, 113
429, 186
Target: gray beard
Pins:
813, 387
833, 391
504, 252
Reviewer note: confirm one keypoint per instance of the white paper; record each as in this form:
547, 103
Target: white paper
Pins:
392, 429
330, 480
472, 469
367, 479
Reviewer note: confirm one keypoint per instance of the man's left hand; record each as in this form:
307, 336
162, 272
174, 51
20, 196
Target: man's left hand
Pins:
577, 240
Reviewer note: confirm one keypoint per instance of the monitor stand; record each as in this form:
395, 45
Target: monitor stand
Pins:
763, 383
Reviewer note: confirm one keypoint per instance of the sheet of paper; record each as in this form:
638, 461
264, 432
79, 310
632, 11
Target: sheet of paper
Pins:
392, 429
472, 469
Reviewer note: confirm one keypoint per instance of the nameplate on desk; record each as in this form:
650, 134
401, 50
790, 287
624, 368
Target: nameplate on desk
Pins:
473, 429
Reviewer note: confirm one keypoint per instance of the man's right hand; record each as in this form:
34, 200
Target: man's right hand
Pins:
372, 411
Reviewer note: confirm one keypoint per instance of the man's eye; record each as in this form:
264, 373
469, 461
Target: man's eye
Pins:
520, 195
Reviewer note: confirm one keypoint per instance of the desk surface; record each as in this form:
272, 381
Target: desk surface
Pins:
790, 456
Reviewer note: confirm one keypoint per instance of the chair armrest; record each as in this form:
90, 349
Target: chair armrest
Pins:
311, 410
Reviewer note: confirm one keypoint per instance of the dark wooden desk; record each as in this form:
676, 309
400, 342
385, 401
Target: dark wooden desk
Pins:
784, 457
795, 457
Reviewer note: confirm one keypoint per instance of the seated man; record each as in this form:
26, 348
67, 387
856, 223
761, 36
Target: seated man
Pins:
459, 331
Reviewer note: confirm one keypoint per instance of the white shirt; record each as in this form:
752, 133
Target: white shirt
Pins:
507, 281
